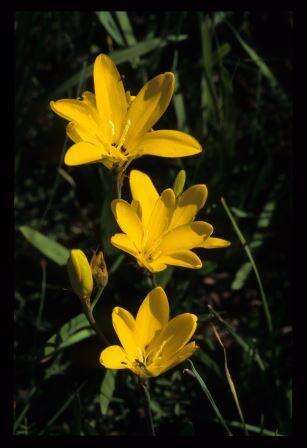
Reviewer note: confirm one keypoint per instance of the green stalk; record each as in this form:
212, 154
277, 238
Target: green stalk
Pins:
145, 386
252, 261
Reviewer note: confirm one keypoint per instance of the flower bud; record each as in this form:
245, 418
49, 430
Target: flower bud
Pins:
99, 269
80, 274
179, 183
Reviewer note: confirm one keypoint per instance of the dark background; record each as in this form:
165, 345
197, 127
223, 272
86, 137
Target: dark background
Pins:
234, 94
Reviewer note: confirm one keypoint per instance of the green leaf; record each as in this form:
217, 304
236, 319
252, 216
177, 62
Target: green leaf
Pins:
255, 429
208, 362
162, 278
107, 21
47, 246
209, 396
106, 390
241, 276
120, 56
74, 331
246, 347
187, 429
221, 52
255, 58
126, 27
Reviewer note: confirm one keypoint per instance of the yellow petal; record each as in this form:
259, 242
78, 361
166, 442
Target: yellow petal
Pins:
152, 316
214, 243
82, 153
122, 242
114, 357
124, 325
156, 266
128, 220
77, 112
185, 237
189, 203
110, 97
184, 258
72, 132
143, 190
167, 143
161, 216
148, 106
180, 356
173, 337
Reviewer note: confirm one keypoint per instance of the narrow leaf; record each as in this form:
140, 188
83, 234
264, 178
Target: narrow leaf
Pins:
106, 390
47, 246
107, 21
204, 387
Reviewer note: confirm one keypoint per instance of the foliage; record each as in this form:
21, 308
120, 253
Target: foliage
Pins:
233, 94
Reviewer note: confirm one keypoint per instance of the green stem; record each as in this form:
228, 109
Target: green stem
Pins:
89, 314
97, 297
145, 386
252, 261
43, 295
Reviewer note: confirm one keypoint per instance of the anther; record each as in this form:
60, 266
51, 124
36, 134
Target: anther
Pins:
124, 135
112, 127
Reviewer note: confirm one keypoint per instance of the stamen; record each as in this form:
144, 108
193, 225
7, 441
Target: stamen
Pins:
112, 127
124, 135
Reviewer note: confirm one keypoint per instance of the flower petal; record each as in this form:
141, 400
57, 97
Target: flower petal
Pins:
189, 203
124, 325
161, 216
185, 237
122, 242
152, 316
166, 143
148, 106
156, 266
110, 97
84, 152
173, 337
180, 356
77, 112
143, 190
114, 357
128, 220
214, 243
184, 258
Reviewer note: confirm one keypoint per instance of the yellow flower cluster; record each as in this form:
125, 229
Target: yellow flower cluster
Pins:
113, 128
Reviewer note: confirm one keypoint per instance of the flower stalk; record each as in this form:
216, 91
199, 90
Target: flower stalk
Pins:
144, 384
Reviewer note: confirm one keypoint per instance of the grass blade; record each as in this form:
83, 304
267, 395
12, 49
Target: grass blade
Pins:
252, 261
255, 429
75, 330
255, 58
126, 27
106, 390
63, 408
120, 56
246, 347
230, 381
47, 246
107, 21
204, 387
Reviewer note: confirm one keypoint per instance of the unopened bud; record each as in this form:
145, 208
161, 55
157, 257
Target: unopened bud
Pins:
80, 274
99, 269
179, 183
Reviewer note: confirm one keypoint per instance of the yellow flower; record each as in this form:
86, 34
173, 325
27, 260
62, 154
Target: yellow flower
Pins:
113, 128
80, 274
160, 230
151, 343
